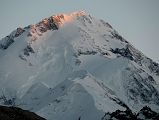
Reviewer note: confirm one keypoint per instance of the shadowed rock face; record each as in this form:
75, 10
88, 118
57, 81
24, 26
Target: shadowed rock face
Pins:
144, 114
8, 40
13, 113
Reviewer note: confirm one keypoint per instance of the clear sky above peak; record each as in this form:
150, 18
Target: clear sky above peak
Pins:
136, 20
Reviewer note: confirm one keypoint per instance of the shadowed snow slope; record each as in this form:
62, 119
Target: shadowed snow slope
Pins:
75, 66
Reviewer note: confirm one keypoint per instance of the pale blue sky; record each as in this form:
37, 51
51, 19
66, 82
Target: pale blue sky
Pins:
136, 20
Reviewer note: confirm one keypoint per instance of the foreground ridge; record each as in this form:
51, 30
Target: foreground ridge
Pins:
13, 113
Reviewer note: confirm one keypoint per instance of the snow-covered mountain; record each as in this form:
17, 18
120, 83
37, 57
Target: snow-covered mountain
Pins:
72, 66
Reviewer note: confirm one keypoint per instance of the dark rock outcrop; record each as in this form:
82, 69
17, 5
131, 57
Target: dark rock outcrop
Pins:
13, 113
144, 114
8, 40
28, 50
125, 52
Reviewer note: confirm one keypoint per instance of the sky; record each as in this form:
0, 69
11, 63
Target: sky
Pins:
136, 20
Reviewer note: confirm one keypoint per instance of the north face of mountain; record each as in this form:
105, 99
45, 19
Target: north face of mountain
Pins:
76, 66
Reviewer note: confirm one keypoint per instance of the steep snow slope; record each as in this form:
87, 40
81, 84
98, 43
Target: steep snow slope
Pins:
73, 65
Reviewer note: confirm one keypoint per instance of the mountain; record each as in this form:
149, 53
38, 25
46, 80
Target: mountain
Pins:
74, 66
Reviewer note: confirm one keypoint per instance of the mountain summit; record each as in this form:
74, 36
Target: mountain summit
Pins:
74, 66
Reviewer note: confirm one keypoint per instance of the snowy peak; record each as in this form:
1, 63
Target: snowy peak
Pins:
52, 23
65, 18
61, 19
81, 69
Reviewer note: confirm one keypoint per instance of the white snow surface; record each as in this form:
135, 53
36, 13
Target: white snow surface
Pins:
73, 72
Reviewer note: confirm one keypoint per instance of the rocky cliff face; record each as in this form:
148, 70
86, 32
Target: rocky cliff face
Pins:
144, 114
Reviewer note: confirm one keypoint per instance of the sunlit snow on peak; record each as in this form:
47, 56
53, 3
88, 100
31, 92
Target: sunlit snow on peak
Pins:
66, 18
